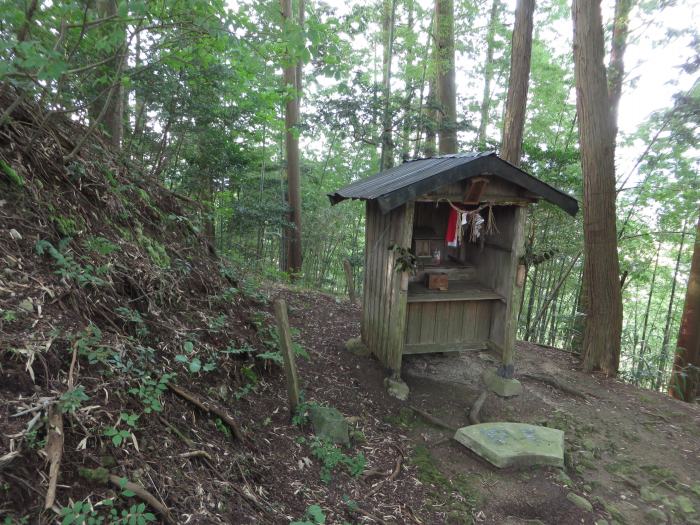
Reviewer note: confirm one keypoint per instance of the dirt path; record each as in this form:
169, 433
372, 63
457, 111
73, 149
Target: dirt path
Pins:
633, 454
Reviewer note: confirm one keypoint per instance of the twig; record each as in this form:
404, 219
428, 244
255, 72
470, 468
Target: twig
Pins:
188, 396
394, 474
196, 454
476, 408
432, 419
6, 459
144, 495
54, 451
176, 431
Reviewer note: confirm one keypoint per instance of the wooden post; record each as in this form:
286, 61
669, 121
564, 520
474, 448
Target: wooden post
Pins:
290, 367
350, 281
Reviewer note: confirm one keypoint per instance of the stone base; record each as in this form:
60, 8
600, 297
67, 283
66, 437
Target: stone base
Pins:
500, 385
357, 347
514, 444
395, 387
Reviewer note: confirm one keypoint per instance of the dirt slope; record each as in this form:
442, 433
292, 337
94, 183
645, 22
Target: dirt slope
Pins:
130, 354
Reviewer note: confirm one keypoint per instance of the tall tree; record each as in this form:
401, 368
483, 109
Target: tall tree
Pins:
291, 140
521, 53
685, 379
488, 72
388, 22
113, 98
601, 340
445, 63
511, 147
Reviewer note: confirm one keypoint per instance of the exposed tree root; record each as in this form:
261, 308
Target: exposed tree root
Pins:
144, 496
552, 381
432, 419
476, 408
211, 409
391, 477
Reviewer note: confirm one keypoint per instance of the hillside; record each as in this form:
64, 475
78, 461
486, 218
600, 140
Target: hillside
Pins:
146, 371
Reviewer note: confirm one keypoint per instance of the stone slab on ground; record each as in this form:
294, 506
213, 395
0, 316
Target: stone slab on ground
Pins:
396, 388
500, 385
514, 444
328, 423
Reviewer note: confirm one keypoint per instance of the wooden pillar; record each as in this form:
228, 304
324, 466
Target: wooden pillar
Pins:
515, 293
287, 349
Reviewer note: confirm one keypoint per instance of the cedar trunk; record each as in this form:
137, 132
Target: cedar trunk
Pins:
488, 73
388, 16
685, 379
601, 341
514, 120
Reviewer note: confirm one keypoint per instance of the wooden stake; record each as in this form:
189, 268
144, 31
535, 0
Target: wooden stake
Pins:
350, 281
290, 367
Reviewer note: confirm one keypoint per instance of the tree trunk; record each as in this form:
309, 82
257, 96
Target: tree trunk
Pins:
601, 340
113, 119
291, 122
616, 69
669, 316
616, 73
685, 378
409, 89
488, 74
645, 322
514, 120
447, 93
388, 16
430, 147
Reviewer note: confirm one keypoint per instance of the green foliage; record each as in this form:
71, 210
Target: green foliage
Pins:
68, 267
194, 363
11, 174
314, 515
100, 245
71, 400
9, 315
332, 457
88, 343
149, 391
105, 511
405, 260
134, 317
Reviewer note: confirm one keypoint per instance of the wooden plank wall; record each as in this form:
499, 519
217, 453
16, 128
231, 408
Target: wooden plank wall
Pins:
384, 305
497, 266
466, 322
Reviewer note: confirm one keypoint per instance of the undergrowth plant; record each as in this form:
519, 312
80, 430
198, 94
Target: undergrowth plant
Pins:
149, 391
331, 457
314, 515
105, 511
68, 267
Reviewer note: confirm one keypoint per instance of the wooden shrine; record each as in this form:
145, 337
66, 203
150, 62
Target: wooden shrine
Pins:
444, 238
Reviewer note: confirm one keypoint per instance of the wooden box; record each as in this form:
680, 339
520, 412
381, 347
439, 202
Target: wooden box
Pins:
436, 281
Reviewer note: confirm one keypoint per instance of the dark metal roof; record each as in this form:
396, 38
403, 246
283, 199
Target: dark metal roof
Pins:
406, 182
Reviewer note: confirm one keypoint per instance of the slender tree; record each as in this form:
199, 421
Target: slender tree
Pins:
488, 72
601, 341
291, 123
663, 357
685, 378
445, 63
388, 22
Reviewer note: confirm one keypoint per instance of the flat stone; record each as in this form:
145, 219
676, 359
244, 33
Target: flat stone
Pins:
396, 388
328, 423
514, 444
500, 385
580, 501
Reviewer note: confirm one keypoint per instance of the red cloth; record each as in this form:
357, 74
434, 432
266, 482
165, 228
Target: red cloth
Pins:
451, 233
